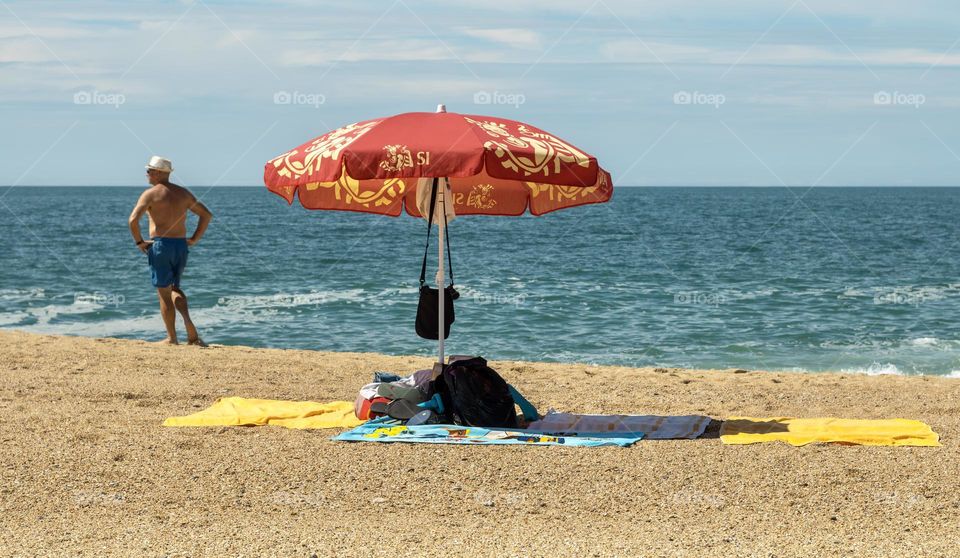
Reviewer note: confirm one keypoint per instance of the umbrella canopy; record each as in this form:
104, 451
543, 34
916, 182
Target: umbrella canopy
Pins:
494, 166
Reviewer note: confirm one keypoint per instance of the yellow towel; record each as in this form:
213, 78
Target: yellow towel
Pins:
238, 411
801, 431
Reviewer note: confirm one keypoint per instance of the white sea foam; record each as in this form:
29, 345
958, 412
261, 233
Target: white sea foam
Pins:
261, 303
27, 311
389, 297
925, 342
12, 318
151, 323
42, 315
889, 369
748, 295
45, 314
854, 293
904, 294
875, 369
748, 344
806, 293
21, 295
228, 311
105, 328
878, 368
288, 300
912, 294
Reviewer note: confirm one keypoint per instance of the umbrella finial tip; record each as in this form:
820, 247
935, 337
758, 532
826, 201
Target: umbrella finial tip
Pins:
441, 108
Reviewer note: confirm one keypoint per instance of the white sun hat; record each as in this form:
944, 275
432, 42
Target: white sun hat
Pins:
424, 189
161, 164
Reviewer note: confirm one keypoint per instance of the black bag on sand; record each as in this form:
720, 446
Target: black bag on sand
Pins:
473, 394
428, 309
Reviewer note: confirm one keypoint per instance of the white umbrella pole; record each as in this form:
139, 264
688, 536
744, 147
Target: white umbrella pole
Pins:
441, 210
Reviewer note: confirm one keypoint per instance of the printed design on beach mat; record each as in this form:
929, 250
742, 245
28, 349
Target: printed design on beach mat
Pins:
328, 146
481, 197
549, 153
476, 435
397, 158
385, 430
348, 190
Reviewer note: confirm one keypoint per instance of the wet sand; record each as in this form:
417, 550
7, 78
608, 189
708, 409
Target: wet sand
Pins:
89, 471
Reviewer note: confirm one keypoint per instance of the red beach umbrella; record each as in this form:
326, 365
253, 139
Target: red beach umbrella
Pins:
486, 165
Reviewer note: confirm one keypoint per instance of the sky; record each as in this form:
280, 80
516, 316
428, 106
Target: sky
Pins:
713, 92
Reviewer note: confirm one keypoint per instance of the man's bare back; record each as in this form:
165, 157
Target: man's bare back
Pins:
167, 206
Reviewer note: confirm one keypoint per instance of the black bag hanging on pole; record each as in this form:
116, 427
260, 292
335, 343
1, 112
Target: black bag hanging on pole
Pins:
428, 308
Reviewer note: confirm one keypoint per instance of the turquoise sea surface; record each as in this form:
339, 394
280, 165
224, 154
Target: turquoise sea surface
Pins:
840, 279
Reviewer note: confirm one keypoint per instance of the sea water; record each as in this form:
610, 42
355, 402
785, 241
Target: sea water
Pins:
807, 279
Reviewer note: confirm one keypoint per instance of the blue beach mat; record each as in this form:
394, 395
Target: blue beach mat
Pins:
388, 430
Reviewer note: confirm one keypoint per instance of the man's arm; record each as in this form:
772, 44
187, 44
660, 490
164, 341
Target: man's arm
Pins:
205, 215
134, 221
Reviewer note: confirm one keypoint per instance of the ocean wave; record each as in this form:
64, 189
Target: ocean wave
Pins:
24, 313
118, 327
12, 318
910, 346
748, 295
749, 344
875, 369
903, 294
713, 297
890, 369
46, 314
288, 300
794, 369
384, 297
150, 323
853, 293
812, 292
229, 311
21, 295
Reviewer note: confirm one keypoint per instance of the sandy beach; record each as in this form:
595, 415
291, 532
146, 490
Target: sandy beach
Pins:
89, 471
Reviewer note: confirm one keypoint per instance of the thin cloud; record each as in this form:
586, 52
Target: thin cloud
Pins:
406, 50
512, 37
626, 51
23, 50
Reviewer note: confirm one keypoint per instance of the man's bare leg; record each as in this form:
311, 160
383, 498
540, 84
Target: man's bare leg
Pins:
168, 313
180, 302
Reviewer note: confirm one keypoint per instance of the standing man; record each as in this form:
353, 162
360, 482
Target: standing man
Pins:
166, 206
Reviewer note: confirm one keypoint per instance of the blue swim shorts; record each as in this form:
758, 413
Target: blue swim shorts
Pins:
167, 258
